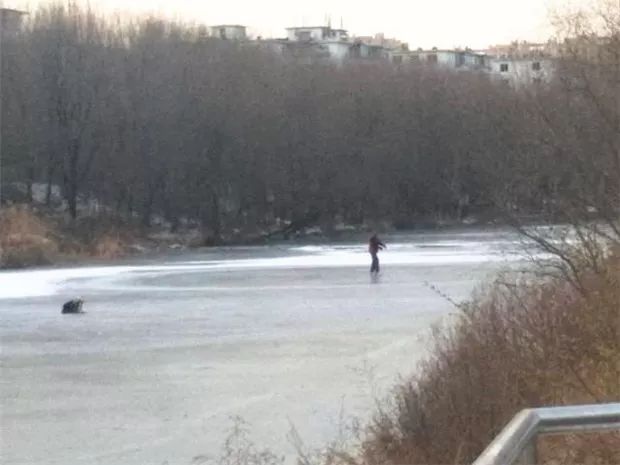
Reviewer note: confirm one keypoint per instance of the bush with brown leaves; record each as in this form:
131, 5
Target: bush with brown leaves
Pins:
516, 345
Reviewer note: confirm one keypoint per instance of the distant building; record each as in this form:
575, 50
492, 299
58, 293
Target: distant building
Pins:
316, 34
523, 63
316, 44
448, 59
522, 71
589, 49
380, 40
10, 21
519, 63
361, 50
302, 52
338, 50
455, 59
228, 32
523, 49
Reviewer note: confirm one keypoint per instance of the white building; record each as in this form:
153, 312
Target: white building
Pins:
320, 43
316, 34
228, 32
449, 59
10, 21
523, 63
324, 42
367, 51
522, 71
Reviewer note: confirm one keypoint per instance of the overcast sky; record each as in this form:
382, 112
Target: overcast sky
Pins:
421, 23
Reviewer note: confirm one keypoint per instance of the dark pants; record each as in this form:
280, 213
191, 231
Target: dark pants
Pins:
374, 268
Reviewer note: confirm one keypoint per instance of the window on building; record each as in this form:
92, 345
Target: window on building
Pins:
432, 58
397, 60
304, 36
503, 68
222, 33
536, 66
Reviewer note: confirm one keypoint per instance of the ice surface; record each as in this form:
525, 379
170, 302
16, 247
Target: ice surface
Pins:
170, 349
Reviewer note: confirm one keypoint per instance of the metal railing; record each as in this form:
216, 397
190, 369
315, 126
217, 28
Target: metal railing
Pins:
516, 444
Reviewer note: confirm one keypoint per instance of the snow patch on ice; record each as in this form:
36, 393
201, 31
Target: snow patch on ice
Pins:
38, 283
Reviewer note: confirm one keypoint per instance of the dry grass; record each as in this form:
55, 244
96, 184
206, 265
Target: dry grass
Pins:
25, 238
108, 246
591, 449
515, 345
30, 238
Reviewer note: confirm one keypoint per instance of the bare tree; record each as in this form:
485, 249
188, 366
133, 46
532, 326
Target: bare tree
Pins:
153, 120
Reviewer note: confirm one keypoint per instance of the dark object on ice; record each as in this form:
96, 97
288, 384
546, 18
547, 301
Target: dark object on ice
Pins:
73, 306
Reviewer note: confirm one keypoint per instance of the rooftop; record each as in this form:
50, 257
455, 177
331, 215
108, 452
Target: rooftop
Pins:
317, 27
11, 10
229, 25
447, 50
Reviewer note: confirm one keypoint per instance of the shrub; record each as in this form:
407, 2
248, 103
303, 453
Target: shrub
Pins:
108, 246
25, 239
515, 345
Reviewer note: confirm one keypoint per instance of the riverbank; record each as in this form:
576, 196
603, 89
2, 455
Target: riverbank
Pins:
36, 236
31, 237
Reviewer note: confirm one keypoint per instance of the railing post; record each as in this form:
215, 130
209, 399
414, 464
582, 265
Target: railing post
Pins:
529, 456
517, 443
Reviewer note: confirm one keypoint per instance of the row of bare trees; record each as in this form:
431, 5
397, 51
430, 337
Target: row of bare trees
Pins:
155, 121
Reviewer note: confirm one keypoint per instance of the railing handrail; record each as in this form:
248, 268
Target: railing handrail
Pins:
509, 445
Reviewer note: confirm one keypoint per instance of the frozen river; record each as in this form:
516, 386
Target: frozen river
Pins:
171, 349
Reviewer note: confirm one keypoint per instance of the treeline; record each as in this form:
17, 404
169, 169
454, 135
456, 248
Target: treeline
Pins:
154, 120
